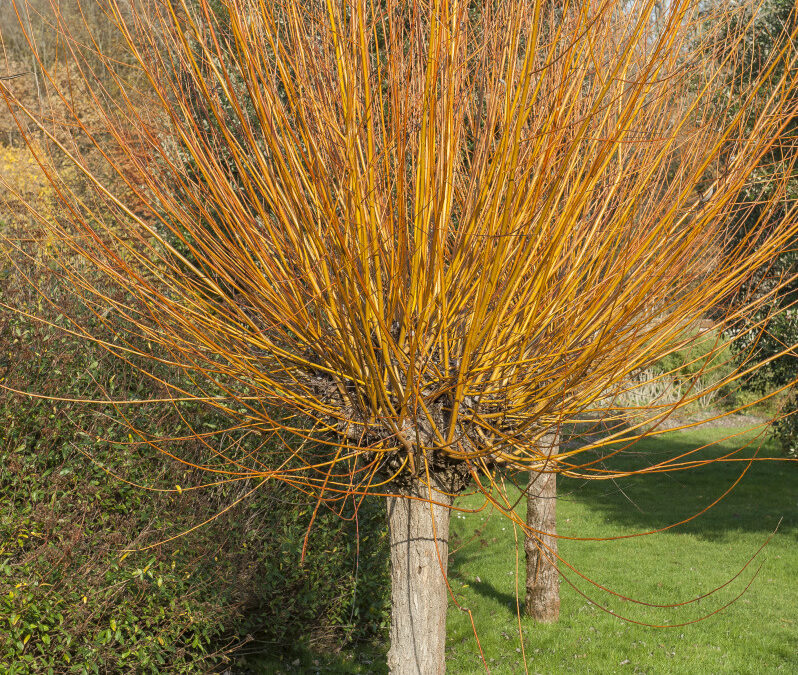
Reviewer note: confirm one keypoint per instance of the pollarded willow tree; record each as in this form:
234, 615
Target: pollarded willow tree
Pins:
415, 238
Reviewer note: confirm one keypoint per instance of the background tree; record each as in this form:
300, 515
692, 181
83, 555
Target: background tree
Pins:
779, 316
414, 238
542, 600
771, 22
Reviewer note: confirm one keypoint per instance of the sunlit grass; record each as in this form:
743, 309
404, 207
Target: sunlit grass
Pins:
756, 634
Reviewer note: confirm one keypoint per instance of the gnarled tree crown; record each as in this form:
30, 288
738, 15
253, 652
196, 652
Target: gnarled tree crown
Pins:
418, 234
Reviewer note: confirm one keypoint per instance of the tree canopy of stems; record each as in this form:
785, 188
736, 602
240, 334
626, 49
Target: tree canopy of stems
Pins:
403, 241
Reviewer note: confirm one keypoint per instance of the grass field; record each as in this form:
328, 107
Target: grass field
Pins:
756, 634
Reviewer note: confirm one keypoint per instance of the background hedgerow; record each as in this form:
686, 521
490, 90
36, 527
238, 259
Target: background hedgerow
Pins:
72, 601
71, 598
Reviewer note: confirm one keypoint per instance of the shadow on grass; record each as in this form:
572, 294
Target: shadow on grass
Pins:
485, 589
764, 495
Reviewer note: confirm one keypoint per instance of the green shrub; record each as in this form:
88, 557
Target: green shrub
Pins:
71, 600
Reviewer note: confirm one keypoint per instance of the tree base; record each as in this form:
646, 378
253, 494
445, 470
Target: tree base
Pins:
419, 532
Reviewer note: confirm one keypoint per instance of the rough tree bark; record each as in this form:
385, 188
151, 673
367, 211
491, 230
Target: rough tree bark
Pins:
542, 579
418, 590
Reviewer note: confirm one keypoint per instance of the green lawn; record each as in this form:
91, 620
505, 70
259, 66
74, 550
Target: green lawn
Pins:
756, 634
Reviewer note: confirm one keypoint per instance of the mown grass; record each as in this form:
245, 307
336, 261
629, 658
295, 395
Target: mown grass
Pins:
756, 634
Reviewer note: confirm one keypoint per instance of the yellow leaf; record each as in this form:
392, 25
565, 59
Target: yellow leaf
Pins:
179, 489
160, 640
113, 624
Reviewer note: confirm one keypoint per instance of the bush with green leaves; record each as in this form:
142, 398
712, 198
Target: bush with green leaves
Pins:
777, 320
75, 593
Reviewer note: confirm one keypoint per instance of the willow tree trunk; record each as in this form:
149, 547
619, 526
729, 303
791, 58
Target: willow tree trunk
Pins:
419, 535
542, 579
